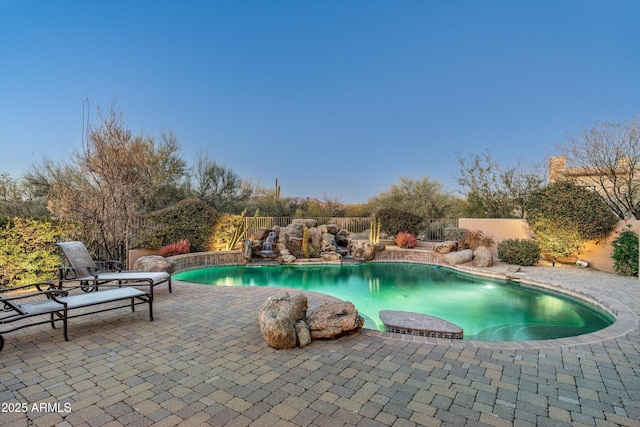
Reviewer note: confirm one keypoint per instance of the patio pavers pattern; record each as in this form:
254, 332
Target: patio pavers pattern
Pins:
203, 361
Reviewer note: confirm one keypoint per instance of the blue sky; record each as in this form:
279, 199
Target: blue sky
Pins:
333, 98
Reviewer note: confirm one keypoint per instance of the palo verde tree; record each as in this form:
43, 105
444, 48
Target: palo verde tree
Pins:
493, 190
114, 177
607, 156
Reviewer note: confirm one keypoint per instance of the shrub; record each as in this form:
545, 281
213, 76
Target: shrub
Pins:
178, 248
519, 252
456, 234
564, 216
394, 221
28, 252
406, 240
190, 219
475, 238
625, 253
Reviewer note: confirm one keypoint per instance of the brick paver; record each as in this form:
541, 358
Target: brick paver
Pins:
203, 361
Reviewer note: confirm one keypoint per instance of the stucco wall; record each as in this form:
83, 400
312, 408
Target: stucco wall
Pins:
598, 256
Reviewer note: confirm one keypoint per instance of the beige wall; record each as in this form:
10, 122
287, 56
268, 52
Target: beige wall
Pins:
598, 256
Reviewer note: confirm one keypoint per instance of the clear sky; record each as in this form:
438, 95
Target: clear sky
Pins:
335, 98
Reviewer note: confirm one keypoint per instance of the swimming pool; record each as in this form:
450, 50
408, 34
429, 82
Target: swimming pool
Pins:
487, 310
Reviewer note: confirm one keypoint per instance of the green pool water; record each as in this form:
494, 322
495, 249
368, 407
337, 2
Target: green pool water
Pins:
487, 310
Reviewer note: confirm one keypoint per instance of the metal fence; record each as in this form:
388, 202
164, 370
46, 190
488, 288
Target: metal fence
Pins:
434, 228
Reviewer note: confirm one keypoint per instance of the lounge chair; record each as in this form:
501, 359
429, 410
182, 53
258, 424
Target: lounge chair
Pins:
92, 274
56, 305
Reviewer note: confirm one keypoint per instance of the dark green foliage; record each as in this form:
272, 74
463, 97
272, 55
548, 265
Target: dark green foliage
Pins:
394, 221
573, 207
625, 253
190, 219
519, 252
564, 216
28, 252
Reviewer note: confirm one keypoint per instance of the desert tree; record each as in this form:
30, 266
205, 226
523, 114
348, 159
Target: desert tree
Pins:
422, 197
606, 157
493, 190
219, 186
110, 181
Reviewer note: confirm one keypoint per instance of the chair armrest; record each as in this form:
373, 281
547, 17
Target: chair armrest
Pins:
37, 285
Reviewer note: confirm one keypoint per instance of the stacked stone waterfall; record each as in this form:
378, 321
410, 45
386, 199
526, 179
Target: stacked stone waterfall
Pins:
326, 242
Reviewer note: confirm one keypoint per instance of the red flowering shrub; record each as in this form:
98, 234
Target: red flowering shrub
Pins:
180, 247
406, 240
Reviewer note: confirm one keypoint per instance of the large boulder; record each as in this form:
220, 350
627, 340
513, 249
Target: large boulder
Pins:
153, 263
364, 250
460, 257
333, 320
305, 222
445, 247
278, 317
482, 257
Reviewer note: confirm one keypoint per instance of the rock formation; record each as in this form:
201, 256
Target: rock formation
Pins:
284, 322
278, 317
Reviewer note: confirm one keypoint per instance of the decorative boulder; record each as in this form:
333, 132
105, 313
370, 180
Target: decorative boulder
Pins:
278, 317
445, 247
460, 257
154, 263
482, 257
304, 222
247, 250
334, 320
330, 256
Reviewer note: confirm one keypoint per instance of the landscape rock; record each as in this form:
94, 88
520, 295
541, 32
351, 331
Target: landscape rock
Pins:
278, 317
459, 257
303, 332
333, 320
330, 256
247, 250
482, 257
154, 263
445, 247
304, 222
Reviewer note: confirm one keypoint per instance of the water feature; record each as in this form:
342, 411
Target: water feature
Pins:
267, 246
487, 310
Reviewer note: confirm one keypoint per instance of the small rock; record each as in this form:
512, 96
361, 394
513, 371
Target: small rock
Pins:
582, 263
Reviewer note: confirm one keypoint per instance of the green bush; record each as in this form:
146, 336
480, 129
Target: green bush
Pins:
394, 221
564, 216
456, 234
190, 219
28, 252
519, 252
625, 253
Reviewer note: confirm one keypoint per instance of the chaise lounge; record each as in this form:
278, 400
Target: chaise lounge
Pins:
56, 305
94, 274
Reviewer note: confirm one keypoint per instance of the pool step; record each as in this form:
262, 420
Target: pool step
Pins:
404, 322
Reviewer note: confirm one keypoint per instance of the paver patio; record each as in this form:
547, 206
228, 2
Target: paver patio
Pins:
203, 361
